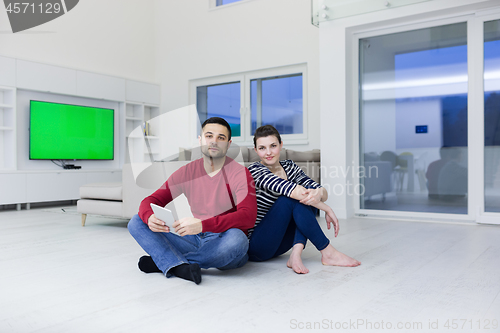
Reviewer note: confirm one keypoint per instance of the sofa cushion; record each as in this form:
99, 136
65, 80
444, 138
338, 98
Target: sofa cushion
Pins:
103, 191
237, 153
196, 153
244, 153
249, 155
99, 207
312, 170
252, 155
303, 156
184, 154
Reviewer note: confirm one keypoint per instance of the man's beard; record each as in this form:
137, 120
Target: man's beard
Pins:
220, 153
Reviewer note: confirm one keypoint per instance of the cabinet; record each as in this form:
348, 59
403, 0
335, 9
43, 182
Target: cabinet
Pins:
13, 185
141, 145
42, 77
141, 92
95, 85
7, 128
8, 70
42, 186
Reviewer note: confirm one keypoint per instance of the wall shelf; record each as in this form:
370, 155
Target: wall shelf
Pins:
8, 156
135, 115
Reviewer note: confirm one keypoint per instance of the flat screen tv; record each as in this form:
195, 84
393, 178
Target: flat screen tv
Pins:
70, 132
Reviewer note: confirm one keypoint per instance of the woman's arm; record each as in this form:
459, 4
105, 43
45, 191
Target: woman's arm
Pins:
314, 194
300, 193
266, 180
329, 216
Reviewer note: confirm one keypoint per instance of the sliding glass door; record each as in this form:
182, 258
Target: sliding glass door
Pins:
429, 120
413, 129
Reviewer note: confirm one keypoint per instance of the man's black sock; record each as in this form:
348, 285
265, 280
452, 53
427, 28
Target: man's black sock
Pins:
147, 265
191, 272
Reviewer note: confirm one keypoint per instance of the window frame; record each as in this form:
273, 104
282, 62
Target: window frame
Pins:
245, 79
481, 215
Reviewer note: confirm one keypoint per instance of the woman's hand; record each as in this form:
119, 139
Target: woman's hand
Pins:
331, 218
157, 225
312, 196
298, 193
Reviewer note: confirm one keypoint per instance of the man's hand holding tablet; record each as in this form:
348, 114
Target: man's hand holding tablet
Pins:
162, 220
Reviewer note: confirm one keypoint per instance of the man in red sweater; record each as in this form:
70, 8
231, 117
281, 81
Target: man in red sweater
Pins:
221, 194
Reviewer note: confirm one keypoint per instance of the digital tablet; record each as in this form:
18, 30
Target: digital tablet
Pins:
165, 215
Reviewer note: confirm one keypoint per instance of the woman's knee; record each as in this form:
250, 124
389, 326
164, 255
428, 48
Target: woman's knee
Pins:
304, 207
284, 199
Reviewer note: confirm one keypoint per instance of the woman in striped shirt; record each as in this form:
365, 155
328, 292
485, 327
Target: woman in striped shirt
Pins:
287, 202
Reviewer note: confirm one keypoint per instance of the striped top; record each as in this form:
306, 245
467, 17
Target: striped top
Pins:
269, 187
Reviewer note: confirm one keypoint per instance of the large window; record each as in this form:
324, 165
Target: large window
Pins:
220, 100
249, 100
413, 120
277, 101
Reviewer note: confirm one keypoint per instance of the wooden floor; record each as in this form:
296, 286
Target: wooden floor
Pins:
56, 276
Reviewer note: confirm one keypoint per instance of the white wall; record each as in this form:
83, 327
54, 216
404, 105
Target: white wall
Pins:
193, 41
114, 37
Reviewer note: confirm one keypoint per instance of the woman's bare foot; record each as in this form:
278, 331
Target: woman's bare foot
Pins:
295, 260
331, 257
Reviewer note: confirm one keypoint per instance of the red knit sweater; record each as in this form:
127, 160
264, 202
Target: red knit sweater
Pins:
208, 196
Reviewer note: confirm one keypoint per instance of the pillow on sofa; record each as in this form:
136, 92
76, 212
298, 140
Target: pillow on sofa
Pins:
244, 153
184, 154
252, 155
235, 150
303, 156
195, 153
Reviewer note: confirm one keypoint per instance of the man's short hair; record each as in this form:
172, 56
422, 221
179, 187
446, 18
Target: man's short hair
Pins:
220, 121
264, 131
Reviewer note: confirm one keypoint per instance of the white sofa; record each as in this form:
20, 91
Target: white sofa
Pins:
123, 199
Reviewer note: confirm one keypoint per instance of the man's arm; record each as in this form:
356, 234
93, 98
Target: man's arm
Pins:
161, 197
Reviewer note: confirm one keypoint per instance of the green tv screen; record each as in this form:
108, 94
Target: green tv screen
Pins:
70, 132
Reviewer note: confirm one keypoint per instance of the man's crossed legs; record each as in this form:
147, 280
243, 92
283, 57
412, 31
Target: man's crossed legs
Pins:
184, 256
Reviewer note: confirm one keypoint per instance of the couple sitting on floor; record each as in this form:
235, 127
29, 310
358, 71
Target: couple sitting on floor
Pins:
239, 214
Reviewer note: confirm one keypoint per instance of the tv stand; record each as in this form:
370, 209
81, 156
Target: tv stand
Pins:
33, 186
71, 166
